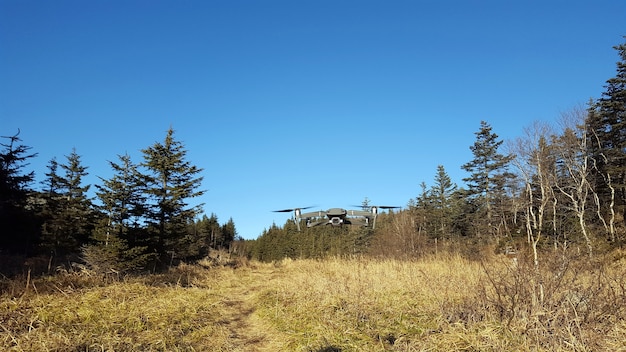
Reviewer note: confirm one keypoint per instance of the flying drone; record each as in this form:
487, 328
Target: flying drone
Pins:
337, 216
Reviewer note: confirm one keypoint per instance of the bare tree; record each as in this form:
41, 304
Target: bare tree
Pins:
608, 181
535, 164
576, 166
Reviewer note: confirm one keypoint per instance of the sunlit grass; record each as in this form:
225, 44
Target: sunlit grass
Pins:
358, 304
366, 304
120, 316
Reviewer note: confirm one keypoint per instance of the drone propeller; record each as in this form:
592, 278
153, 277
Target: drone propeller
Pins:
376, 206
297, 212
290, 210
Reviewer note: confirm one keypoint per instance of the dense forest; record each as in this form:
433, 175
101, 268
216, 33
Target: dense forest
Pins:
555, 187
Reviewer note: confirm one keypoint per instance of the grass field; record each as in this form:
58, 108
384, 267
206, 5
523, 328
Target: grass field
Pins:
359, 304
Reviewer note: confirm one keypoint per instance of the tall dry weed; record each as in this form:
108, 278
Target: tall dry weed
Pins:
370, 303
567, 302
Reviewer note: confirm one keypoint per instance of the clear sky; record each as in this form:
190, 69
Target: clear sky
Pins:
296, 103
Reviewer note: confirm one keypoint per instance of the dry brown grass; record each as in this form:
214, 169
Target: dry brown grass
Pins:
434, 304
375, 305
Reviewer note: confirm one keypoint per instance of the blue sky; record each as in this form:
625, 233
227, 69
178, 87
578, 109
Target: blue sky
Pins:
296, 103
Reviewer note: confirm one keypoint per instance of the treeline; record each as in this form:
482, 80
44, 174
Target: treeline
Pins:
140, 218
319, 242
555, 187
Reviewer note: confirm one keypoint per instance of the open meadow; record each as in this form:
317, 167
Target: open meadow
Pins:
355, 304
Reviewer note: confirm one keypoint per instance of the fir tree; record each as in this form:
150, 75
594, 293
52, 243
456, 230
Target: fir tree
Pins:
171, 182
51, 229
488, 175
210, 231
442, 202
116, 243
70, 217
229, 232
16, 215
122, 197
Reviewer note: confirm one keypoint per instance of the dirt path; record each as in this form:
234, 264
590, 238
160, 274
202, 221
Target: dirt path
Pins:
247, 332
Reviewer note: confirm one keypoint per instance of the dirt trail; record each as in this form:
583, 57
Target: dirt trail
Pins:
247, 332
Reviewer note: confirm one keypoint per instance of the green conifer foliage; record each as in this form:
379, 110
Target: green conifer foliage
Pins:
16, 215
68, 213
171, 181
122, 197
442, 201
117, 244
488, 177
229, 232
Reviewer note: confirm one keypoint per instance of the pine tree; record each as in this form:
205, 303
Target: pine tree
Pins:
488, 175
201, 231
16, 215
607, 123
441, 197
211, 231
171, 182
70, 217
79, 210
229, 232
51, 229
116, 243
122, 196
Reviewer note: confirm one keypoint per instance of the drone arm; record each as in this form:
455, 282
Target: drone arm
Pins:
313, 214
358, 213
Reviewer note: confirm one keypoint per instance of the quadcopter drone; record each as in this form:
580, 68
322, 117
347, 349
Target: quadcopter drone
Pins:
337, 216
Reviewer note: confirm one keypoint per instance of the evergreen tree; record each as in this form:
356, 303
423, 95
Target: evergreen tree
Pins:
488, 176
51, 229
51, 184
607, 122
79, 210
464, 213
16, 215
70, 217
122, 196
211, 231
117, 244
421, 209
171, 181
442, 202
424, 200
229, 232
268, 245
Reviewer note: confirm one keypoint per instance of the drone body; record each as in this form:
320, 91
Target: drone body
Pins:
337, 216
